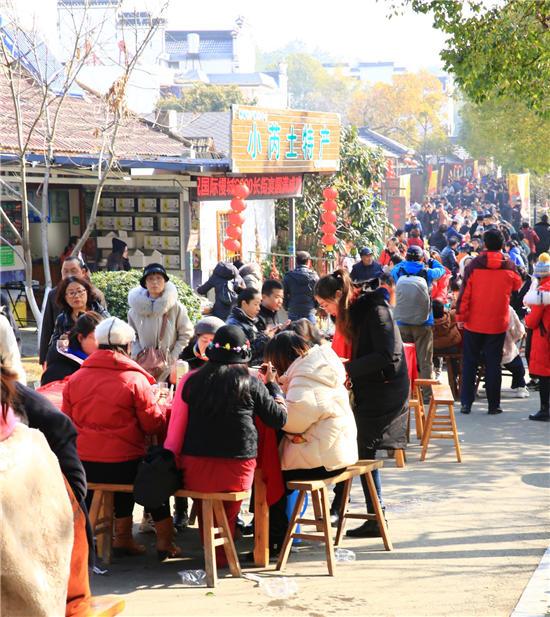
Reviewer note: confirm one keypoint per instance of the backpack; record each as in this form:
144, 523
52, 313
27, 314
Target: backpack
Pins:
413, 303
228, 295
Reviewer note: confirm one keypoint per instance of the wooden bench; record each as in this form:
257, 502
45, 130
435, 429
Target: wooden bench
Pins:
321, 508
448, 357
440, 426
416, 403
102, 524
106, 606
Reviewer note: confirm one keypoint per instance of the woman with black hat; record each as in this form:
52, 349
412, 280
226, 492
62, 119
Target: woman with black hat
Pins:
158, 317
118, 259
212, 431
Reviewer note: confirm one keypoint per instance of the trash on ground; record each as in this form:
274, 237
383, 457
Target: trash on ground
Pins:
280, 587
193, 577
255, 578
98, 571
341, 555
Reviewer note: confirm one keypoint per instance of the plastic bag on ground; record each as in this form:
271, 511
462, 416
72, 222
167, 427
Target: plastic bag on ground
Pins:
193, 577
341, 555
280, 587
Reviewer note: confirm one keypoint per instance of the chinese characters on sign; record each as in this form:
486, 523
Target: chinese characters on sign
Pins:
261, 187
397, 211
279, 140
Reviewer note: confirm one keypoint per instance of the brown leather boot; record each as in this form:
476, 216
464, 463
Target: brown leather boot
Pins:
165, 539
124, 543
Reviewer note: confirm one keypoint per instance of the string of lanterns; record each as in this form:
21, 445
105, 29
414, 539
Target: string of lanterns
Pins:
329, 218
236, 219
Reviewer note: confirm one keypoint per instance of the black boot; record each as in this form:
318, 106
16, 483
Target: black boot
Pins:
369, 529
543, 415
181, 515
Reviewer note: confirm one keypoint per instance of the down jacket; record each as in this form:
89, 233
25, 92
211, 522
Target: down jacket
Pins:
146, 317
318, 411
37, 527
513, 334
445, 331
538, 320
113, 419
222, 273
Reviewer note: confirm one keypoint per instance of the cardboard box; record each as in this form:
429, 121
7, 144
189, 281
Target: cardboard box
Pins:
169, 223
161, 242
106, 242
171, 262
152, 242
147, 205
107, 204
138, 259
155, 258
171, 242
126, 204
105, 222
124, 223
170, 205
144, 223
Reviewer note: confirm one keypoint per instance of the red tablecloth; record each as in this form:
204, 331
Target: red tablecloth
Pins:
269, 462
410, 358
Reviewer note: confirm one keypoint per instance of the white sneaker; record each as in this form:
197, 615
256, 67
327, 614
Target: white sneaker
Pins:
438, 376
522, 393
147, 525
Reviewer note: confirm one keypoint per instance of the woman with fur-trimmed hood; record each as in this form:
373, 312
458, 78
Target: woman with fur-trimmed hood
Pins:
149, 303
252, 275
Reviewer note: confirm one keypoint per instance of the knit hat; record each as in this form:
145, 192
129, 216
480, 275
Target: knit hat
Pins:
153, 269
114, 331
209, 325
542, 269
230, 346
119, 245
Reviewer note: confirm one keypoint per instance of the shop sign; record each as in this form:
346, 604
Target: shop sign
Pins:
263, 186
7, 256
397, 211
284, 140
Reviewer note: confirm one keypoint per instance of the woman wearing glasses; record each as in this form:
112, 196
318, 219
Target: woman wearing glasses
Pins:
74, 296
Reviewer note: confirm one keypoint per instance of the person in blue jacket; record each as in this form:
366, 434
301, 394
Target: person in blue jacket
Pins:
453, 232
419, 334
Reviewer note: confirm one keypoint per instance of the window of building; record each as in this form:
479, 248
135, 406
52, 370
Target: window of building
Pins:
223, 224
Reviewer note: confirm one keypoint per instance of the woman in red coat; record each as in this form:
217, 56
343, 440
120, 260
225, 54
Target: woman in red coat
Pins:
538, 320
111, 403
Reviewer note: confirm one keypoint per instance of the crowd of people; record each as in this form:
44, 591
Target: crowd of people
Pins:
464, 276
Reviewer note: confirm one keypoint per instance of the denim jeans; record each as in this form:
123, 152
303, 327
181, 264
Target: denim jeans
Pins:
364, 454
296, 316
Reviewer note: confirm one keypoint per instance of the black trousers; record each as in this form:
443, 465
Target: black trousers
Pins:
120, 473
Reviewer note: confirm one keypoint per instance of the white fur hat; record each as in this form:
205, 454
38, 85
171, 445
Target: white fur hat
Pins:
114, 331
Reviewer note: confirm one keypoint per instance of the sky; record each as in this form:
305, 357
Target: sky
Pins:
352, 29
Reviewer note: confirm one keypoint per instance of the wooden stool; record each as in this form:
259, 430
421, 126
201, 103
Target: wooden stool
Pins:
106, 606
448, 357
211, 505
321, 508
417, 404
440, 426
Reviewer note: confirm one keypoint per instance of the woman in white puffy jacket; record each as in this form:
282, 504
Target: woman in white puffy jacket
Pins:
320, 437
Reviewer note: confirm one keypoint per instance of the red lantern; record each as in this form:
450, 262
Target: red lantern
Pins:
328, 229
329, 217
329, 205
330, 193
235, 218
232, 245
329, 240
234, 232
241, 190
238, 205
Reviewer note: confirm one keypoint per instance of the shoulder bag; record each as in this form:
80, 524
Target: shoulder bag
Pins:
153, 359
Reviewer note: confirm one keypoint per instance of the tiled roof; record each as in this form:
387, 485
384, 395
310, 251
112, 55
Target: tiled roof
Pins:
210, 42
79, 129
375, 139
216, 125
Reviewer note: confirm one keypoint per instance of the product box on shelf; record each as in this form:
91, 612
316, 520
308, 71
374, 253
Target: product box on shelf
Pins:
146, 204
170, 205
125, 204
144, 223
106, 242
107, 204
124, 222
161, 242
171, 262
105, 222
169, 223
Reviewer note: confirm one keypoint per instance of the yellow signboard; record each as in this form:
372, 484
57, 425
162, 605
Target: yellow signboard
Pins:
284, 141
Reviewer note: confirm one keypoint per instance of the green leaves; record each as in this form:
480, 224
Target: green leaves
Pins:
117, 285
202, 98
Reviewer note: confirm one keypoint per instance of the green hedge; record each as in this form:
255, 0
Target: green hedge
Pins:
117, 285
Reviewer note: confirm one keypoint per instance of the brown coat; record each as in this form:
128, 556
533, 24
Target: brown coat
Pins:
445, 330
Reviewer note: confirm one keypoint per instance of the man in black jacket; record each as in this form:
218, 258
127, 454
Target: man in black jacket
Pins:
542, 229
367, 268
298, 285
448, 256
272, 300
72, 266
439, 239
227, 283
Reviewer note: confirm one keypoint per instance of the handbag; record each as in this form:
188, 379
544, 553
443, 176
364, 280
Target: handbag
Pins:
153, 359
157, 478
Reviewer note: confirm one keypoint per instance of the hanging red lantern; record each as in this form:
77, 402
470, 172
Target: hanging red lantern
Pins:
330, 193
329, 205
241, 190
328, 229
329, 217
234, 232
238, 205
231, 244
329, 240
235, 218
